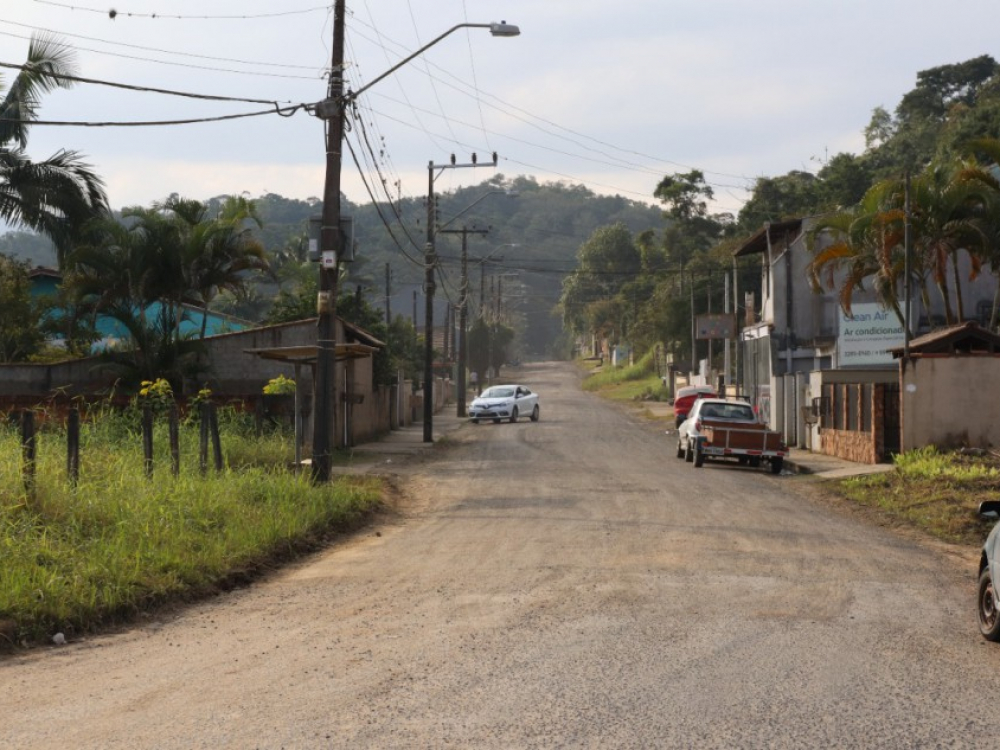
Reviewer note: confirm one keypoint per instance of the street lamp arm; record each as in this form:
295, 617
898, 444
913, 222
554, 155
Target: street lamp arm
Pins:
496, 29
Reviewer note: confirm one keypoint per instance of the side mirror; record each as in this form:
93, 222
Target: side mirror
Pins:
990, 509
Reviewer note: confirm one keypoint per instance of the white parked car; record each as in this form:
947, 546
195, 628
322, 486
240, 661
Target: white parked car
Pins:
504, 402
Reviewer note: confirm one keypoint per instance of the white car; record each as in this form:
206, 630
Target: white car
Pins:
504, 402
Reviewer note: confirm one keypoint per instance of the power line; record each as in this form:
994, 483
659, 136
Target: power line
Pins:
284, 112
175, 64
113, 14
141, 89
156, 49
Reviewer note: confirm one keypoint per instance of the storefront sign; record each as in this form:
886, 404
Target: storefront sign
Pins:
867, 334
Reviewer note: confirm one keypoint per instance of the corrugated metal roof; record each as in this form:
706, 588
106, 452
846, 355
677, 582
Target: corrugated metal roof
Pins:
964, 338
758, 242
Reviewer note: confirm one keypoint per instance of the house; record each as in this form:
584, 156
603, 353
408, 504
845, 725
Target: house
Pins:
827, 380
46, 281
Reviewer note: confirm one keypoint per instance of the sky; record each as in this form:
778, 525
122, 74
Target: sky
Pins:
609, 95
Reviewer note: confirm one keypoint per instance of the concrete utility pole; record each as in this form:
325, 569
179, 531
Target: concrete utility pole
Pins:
430, 263
463, 308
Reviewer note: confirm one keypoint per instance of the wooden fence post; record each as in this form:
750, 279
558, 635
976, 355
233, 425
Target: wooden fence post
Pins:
203, 438
73, 445
213, 417
147, 439
175, 439
29, 446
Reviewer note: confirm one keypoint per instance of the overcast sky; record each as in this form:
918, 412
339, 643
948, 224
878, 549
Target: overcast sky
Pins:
613, 95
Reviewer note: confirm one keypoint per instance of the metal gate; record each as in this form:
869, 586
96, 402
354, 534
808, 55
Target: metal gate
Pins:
891, 437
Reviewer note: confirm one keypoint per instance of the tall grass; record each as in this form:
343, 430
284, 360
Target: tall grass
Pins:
75, 557
630, 382
937, 492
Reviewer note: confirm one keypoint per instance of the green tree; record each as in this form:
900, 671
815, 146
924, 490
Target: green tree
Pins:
58, 195
220, 254
607, 261
20, 335
488, 345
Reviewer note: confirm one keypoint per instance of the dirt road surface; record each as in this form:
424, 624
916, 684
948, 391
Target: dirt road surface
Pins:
561, 584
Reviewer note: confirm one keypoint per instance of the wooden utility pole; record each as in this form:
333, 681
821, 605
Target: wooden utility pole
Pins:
325, 409
388, 311
463, 312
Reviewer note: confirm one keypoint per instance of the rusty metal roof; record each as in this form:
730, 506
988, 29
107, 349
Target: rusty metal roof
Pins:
758, 241
307, 354
964, 338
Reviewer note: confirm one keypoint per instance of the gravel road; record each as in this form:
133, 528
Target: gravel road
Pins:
560, 584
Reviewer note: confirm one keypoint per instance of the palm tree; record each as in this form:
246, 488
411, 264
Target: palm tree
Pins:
218, 253
867, 243
54, 197
987, 174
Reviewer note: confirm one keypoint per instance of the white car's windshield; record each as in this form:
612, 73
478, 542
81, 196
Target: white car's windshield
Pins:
499, 392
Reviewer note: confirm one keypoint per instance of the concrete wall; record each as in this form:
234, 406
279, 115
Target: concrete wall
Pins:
364, 412
947, 401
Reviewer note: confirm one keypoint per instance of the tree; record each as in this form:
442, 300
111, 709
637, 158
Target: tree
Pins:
57, 196
20, 335
946, 212
219, 254
488, 346
606, 262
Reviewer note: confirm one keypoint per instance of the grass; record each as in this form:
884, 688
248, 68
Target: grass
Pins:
638, 382
933, 491
77, 558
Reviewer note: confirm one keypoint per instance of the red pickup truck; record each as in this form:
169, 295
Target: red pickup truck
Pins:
719, 428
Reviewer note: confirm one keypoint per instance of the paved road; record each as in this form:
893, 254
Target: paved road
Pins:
566, 583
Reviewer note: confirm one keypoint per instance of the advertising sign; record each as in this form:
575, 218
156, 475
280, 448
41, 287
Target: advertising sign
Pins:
721, 326
867, 334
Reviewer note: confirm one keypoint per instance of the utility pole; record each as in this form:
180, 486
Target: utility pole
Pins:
430, 264
463, 308
388, 312
324, 417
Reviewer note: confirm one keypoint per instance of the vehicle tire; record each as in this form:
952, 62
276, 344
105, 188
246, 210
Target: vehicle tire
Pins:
776, 464
513, 415
688, 452
680, 449
989, 617
535, 413
699, 457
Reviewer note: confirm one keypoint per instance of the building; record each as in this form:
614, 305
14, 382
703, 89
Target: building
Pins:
814, 372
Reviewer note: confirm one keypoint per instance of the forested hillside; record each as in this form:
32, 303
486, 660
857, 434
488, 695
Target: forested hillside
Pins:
534, 232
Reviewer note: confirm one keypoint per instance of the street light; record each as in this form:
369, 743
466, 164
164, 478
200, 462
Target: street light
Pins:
332, 110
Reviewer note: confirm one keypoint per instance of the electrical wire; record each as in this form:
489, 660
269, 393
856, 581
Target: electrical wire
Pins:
175, 64
476, 93
141, 89
378, 207
114, 14
284, 112
155, 49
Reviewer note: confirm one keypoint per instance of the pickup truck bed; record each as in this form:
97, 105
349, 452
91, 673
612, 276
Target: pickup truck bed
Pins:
745, 441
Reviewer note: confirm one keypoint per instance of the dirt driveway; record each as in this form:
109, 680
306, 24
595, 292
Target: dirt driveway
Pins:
566, 583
